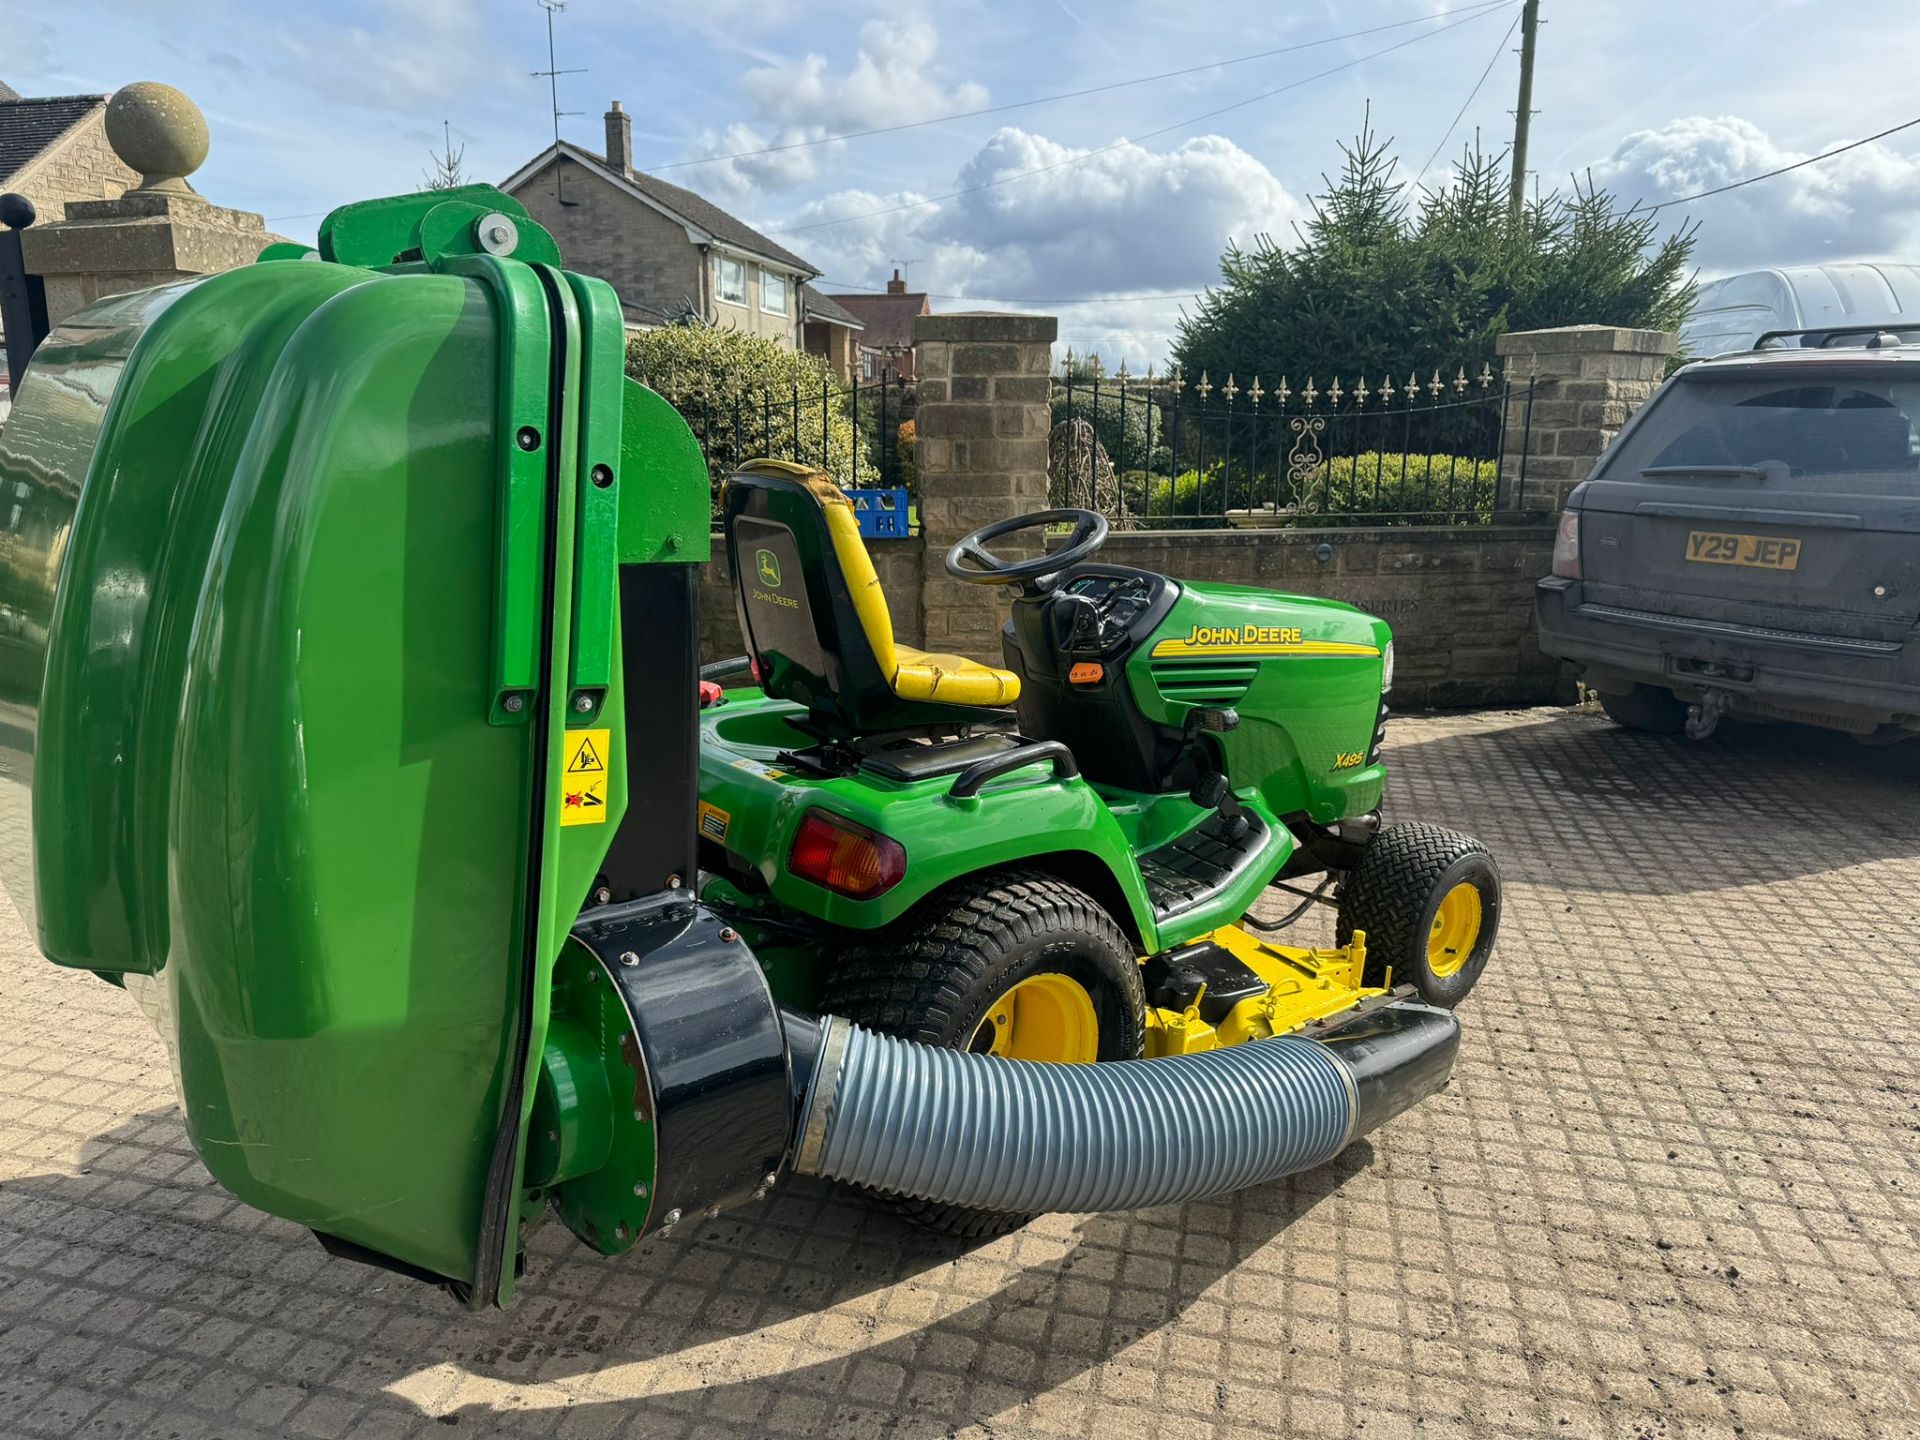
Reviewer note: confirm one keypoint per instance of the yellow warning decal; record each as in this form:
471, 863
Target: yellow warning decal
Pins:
714, 822
583, 778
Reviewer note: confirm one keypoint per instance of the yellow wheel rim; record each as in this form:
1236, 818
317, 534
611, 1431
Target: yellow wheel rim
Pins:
1456, 928
1044, 1017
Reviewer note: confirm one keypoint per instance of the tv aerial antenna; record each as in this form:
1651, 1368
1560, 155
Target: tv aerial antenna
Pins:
552, 75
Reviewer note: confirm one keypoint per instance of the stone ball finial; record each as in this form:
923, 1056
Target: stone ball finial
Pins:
159, 132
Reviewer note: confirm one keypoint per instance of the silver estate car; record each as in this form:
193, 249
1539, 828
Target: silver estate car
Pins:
1750, 545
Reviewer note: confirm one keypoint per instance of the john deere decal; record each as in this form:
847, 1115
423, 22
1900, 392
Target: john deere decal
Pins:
1252, 641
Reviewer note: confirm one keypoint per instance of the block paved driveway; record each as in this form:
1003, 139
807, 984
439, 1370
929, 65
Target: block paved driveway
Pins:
1674, 1190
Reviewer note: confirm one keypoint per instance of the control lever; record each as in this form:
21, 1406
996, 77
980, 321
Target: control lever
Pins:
1211, 791
1212, 721
1073, 620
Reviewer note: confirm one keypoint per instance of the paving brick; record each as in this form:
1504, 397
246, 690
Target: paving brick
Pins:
1673, 1190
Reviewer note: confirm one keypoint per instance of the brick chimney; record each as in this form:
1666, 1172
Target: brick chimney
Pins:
896, 286
619, 140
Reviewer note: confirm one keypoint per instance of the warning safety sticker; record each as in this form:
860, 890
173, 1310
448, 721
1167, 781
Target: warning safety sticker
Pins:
714, 821
583, 778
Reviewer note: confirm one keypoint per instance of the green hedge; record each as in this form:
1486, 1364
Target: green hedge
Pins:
738, 393
1396, 489
1374, 487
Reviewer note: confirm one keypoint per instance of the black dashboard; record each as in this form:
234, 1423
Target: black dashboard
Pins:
1099, 610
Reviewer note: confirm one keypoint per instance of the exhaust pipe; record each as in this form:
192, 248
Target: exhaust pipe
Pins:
944, 1125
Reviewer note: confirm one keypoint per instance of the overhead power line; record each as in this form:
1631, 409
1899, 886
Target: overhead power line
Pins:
1468, 11
1455, 124
1797, 165
844, 287
1085, 156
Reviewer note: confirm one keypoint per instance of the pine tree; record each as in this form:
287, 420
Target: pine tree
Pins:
446, 173
1379, 281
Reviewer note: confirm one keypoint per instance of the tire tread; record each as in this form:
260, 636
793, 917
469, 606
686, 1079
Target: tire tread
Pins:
916, 981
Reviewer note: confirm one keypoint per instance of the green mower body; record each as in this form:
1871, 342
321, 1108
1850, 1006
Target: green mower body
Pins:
349, 721
1302, 675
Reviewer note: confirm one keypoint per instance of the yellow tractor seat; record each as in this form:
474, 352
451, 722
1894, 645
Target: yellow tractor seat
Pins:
923, 675
816, 619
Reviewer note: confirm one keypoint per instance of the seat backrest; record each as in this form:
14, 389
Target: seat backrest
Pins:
810, 604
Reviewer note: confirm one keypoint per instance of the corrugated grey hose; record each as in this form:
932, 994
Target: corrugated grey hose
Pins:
1013, 1135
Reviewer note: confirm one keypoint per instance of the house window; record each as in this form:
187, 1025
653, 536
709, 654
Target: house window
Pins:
731, 280
773, 293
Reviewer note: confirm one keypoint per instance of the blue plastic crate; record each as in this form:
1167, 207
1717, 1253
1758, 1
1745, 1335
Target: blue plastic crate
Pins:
883, 514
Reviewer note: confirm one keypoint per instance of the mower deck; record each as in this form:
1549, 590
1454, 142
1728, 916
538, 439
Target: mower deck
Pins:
1249, 989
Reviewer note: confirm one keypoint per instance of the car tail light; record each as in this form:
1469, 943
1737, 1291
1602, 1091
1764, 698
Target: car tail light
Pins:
1566, 546
845, 858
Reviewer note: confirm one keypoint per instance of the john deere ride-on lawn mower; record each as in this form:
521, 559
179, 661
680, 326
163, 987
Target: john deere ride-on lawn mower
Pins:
353, 710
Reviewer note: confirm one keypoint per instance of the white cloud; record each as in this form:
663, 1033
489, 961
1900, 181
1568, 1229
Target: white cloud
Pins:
800, 103
893, 79
1123, 222
1864, 204
747, 175
1122, 219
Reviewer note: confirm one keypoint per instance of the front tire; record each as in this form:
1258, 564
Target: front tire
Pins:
1015, 963
1429, 901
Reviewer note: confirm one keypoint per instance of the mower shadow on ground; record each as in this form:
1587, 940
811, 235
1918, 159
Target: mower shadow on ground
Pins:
1752, 805
1051, 1320
648, 1330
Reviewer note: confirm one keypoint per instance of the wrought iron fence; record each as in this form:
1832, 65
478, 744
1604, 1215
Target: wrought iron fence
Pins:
1174, 453
859, 434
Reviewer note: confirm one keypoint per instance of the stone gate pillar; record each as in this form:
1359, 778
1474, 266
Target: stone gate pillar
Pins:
982, 450
1586, 380
159, 231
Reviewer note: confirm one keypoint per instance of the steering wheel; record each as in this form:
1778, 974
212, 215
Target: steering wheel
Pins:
982, 567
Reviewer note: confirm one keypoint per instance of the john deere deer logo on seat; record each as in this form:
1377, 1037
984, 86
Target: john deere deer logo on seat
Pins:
768, 565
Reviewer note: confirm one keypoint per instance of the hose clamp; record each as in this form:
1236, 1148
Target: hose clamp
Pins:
820, 1093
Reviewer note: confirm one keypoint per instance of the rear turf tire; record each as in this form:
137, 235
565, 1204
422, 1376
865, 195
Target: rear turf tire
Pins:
1648, 708
936, 974
1416, 888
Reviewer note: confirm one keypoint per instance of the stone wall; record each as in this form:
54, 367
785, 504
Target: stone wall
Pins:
1459, 599
897, 562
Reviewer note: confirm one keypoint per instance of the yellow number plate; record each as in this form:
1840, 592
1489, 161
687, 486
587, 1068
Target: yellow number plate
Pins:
1760, 552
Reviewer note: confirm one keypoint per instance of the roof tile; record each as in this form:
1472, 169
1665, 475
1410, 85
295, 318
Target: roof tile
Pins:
29, 127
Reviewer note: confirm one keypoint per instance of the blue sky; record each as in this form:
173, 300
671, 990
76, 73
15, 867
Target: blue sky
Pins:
311, 105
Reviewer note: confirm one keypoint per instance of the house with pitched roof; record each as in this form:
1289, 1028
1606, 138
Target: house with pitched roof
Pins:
885, 341
829, 331
669, 253
54, 151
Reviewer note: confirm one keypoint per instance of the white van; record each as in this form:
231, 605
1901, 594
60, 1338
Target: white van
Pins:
1733, 313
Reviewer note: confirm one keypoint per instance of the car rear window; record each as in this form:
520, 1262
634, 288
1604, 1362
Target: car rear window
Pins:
1852, 434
